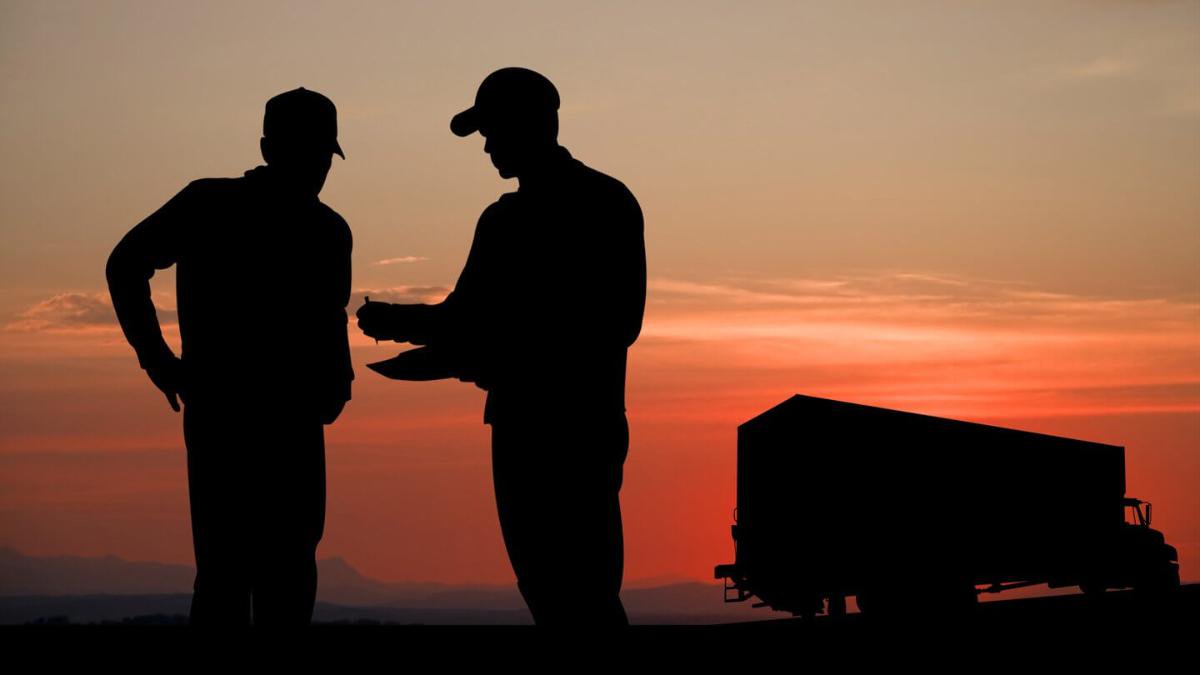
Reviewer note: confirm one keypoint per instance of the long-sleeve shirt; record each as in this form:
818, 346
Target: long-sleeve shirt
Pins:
551, 296
262, 279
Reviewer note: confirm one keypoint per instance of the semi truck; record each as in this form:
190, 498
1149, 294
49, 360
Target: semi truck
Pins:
914, 513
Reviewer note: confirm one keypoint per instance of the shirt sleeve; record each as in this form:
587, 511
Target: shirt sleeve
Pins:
461, 322
629, 298
153, 244
339, 322
608, 310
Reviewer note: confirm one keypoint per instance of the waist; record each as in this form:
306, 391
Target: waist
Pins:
569, 406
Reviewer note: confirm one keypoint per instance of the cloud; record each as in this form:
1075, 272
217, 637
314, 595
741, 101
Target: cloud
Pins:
941, 343
401, 260
404, 294
1162, 74
74, 312
946, 344
1099, 69
916, 298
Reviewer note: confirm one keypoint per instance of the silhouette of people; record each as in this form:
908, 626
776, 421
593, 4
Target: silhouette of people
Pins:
259, 250
549, 301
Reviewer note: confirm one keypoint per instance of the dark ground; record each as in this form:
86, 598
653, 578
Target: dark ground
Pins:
1119, 628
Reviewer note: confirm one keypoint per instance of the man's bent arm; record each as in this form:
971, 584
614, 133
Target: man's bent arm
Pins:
151, 245
417, 323
613, 313
630, 295
343, 373
445, 321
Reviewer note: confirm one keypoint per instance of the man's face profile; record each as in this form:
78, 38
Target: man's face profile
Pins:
302, 166
504, 148
514, 144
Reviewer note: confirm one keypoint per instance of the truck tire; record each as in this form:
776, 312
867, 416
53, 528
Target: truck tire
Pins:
956, 600
1163, 580
837, 605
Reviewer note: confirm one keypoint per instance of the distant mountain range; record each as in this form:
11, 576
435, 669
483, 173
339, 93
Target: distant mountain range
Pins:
89, 590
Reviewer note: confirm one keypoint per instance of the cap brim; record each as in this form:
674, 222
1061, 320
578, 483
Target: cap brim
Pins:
466, 122
337, 149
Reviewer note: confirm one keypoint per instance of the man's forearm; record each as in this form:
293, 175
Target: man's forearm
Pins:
419, 324
152, 244
129, 289
423, 323
346, 366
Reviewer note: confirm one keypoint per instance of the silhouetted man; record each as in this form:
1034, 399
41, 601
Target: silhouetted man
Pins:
260, 250
547, 305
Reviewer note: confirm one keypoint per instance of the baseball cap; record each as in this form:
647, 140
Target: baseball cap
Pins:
507, 94
304, 117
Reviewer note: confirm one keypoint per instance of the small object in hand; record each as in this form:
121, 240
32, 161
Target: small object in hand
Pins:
367, 299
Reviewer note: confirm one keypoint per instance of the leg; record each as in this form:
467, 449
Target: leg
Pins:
290, 519
222, 589
516, 506
560, 515
597, 547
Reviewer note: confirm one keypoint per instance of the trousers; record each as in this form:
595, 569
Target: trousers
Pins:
256, 486
557, 489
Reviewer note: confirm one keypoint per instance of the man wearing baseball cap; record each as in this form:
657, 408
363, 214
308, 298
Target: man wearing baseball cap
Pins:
257, 379
542, 316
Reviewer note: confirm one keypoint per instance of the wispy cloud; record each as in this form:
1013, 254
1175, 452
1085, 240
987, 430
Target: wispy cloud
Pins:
909, 298
404, 294
1105, 67
1161, 75
934, 342
926, 341
401, 260
73, 312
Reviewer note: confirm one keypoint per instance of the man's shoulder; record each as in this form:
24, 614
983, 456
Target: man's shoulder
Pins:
334, 224
201, 196
214, 187
334, 218
501, 208
603, 185
206, 195
240, 190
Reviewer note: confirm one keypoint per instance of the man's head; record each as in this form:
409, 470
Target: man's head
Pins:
516, 110
300, 138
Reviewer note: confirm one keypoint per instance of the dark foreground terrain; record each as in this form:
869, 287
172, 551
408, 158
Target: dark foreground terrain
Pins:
1117, 629
1121, 610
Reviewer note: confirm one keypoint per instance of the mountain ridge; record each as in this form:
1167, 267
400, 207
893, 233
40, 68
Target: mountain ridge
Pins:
111, 588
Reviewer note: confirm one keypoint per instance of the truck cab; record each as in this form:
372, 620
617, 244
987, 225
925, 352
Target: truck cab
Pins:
1139, 558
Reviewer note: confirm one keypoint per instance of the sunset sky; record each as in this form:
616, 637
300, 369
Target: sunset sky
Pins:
987, 211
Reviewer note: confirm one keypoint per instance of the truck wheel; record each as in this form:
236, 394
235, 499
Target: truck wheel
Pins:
837, 605
863, 600
1160, 581
872, 605
889, 605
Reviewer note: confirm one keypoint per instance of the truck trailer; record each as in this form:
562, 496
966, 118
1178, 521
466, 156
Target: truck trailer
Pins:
915, 513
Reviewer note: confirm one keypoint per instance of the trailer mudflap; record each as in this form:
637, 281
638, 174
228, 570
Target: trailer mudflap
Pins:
729, 574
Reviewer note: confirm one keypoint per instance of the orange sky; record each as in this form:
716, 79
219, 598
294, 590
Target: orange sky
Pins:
988, 213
